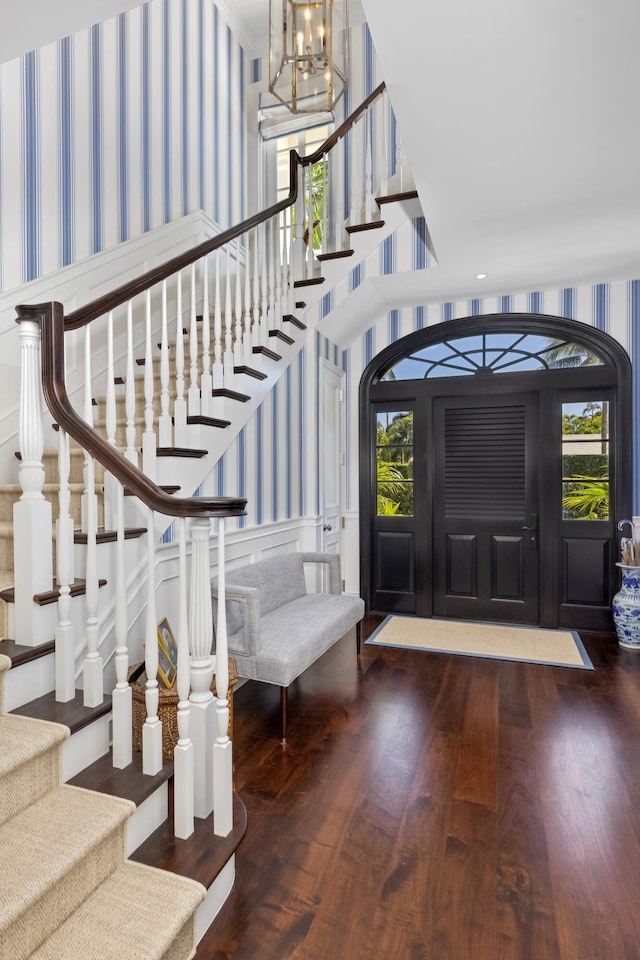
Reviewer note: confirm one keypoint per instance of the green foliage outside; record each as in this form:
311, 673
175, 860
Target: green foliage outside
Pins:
589, 421
317, 186
394, 466
585, 486
586, 498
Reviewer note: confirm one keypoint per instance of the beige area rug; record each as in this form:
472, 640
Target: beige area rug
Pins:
559, 648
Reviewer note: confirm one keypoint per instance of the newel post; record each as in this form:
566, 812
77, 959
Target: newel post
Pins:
222, 751
33, 563
201, 641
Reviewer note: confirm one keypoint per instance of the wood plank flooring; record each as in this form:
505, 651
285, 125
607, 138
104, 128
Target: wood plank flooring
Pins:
434, 807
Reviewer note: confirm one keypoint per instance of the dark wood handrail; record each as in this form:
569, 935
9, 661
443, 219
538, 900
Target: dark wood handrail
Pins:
343, 129
97, 308
100, 306
50, 316
54, 324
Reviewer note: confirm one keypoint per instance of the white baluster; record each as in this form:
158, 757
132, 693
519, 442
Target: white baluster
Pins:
149, 441
228, 327
325, 219
93, 666
222, 751
165, 431
201, 638
278, 289
383, 141
180, 405
130, 392
309, 222
264, 302
271, 302
183, 757
218, 366
32, 515
152, 727
291, 303
194, 391
247, 339
399, 163
299, 244
121, 696
238, 349
65, 632
205, 381
354, 172
368, 166
111, 419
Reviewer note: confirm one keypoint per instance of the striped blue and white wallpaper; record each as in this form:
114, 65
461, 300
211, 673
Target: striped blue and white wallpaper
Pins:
118, 129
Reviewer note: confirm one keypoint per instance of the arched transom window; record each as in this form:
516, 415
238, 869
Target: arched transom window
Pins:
489, 353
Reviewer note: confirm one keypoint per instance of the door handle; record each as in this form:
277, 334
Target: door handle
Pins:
327, 526
532, 528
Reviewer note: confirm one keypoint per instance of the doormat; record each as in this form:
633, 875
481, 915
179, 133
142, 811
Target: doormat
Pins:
557, 648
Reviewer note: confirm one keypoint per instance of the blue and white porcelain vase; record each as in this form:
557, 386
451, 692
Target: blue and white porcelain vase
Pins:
626, 608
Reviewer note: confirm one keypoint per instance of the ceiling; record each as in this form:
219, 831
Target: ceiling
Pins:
519, 119
519, 122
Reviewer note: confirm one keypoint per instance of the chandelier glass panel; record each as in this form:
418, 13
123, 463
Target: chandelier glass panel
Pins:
308, 53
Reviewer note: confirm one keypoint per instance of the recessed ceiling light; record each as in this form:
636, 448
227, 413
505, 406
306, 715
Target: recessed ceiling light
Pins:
481, 276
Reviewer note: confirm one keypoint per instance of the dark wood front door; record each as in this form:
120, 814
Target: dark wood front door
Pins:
485, 508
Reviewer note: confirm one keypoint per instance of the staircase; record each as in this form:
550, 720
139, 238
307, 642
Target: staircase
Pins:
192, 348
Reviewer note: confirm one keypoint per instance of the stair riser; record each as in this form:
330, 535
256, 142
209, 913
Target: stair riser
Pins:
28, 783
76, 467
147, 818
28, 681
43, 917
86, 745
10, 494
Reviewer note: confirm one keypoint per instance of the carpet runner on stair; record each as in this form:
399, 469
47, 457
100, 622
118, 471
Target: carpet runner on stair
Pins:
66, 889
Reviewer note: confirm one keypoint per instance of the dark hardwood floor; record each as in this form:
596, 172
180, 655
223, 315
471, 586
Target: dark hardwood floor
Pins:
434, 807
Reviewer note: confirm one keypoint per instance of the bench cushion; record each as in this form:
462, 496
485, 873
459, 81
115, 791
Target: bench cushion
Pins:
294, 635
279, 580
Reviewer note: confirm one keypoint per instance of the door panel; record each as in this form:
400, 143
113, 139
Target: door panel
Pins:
485, 495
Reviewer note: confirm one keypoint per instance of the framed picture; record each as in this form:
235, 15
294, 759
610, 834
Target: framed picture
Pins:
167, 653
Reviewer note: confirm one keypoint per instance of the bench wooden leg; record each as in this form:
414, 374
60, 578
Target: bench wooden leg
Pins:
359, 636
283, 713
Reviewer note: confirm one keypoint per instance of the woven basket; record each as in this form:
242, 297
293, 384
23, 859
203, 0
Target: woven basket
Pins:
168, 710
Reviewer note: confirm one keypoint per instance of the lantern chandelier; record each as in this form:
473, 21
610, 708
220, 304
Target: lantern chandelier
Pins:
308, 53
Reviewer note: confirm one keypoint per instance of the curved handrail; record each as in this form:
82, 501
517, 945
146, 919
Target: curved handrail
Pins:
83, 315
54, 324
344, 127
50, 316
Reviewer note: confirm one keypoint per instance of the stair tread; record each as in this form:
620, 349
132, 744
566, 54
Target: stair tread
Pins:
266, 352
335, 255
164, 850
42, 843
397, 197
361, 227
72, 714
130, 783
290, 318
208, 421
78, 588
18, 653
135, 912
181, 452
109, 536
22, 740
310, 281
281, 335
230, 394
250, 372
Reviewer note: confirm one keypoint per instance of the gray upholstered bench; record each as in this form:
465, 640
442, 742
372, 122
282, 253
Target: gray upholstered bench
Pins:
276, 629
